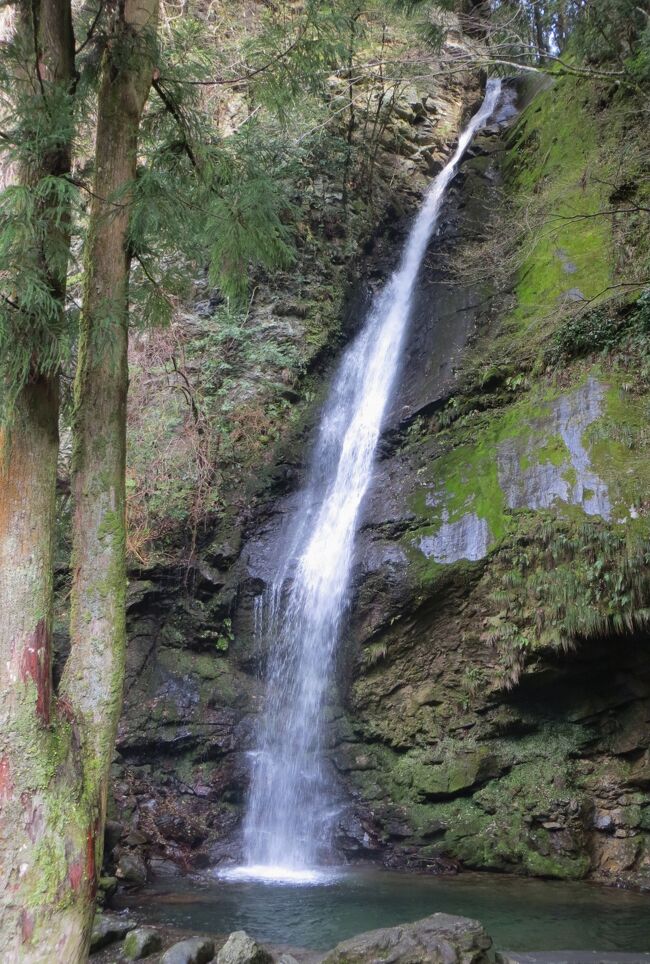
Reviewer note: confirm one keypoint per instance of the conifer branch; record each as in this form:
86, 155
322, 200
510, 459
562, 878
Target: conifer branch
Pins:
92, 28
244, 78
84, 187
636, 209
156, 284
8, 301
172, 107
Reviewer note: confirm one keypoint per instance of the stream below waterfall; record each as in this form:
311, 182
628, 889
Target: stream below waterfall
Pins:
519, 914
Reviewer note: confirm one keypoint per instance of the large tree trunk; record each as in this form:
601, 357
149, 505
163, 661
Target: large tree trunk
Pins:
46, 863
44, 859
93, 676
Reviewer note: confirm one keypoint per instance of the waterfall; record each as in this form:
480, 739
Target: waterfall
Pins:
290, 815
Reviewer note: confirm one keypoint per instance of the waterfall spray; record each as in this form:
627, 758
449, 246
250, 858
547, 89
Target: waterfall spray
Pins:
289, 821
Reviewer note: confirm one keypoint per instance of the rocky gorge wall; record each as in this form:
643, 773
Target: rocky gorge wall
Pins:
494, 678
499, 709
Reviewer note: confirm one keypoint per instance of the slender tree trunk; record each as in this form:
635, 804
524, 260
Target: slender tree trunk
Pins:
349, 137
93, 676
540, 39
561, 25
44, 861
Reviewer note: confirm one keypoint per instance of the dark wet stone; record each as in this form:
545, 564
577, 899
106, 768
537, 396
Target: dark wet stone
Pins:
194, 950
107, 930
242, 949
142, 942
132, 869
439, 939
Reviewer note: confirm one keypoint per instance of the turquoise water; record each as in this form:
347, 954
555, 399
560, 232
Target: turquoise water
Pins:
519, 914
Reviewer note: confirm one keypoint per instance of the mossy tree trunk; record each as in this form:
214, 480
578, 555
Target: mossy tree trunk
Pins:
93, 676
43, 857
55, 749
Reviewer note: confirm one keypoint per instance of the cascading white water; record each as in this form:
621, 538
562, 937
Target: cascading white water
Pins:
289, 819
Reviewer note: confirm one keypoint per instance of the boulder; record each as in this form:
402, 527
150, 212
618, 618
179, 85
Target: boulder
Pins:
242, 949
141, 942
439, 939
193, 950
112, 834
132, 869
108, 885
105, 889
107, 930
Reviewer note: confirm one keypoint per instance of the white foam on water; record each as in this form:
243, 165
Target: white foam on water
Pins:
277, 874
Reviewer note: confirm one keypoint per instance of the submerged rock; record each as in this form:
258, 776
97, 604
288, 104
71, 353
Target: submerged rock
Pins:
193, 950
439, 939
242, 949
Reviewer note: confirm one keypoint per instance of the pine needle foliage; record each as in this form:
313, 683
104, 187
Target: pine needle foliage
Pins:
227, 200
36, 119
297, 49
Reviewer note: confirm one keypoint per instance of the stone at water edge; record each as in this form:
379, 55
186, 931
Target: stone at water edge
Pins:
106, 930
141, 942
106, 888
132, 869
242, 949
439, 939
194, 950
571, 957
108, 885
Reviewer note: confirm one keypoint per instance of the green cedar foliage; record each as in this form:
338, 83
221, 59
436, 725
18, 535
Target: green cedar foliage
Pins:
35, 207
200, 197
615, 32
227, 200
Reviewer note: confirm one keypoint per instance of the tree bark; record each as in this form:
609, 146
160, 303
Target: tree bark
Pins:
42, 858
93, 676
540, 39
560, 21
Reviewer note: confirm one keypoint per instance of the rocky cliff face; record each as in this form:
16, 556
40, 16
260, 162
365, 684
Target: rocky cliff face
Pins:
498, 702
494, 678
192, 685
